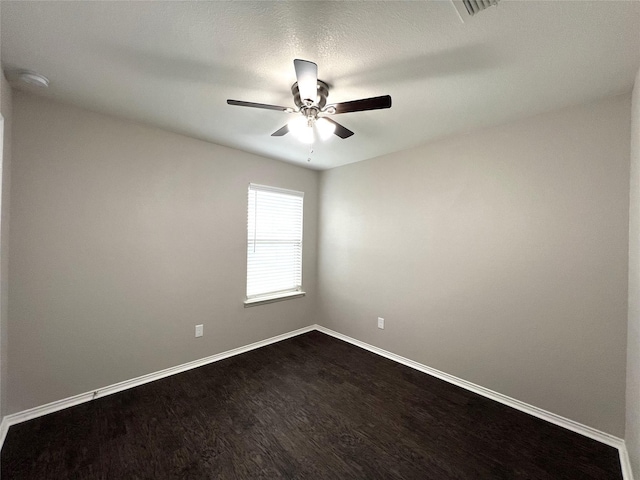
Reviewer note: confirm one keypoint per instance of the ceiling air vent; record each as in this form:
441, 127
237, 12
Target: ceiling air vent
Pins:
468, 8
474, 6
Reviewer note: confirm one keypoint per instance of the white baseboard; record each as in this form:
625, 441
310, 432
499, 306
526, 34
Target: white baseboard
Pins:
569, 424
4, 428
627, 473
36, 412
500, 398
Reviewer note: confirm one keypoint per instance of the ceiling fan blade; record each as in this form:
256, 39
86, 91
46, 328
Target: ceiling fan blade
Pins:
373, 103
280, 132
340, 131
307, 75
240, 103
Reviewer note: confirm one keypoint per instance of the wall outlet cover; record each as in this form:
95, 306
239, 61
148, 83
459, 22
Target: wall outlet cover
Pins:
381, 322
199, 330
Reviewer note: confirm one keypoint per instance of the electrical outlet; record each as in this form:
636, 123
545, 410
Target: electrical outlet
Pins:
381, 323
199, 330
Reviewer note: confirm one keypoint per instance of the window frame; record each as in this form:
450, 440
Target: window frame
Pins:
289, 293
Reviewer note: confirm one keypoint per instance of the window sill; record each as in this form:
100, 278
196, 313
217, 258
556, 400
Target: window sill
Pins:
252, 302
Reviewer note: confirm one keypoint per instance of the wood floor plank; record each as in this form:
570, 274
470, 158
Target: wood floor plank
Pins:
308, 407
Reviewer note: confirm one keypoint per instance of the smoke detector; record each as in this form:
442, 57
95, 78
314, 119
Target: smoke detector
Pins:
28, 78
469, 8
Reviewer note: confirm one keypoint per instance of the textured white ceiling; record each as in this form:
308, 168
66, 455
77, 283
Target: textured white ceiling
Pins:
174, 64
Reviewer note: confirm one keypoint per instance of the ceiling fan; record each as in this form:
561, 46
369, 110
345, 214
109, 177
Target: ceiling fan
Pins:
310, 97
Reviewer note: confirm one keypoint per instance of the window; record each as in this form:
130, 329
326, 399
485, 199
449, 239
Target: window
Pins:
274, 244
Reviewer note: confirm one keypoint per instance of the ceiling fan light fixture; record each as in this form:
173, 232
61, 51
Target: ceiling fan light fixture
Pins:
297, 124
306, 136
325, 128
301, 128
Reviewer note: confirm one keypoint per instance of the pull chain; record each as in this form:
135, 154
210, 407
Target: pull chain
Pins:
310, 152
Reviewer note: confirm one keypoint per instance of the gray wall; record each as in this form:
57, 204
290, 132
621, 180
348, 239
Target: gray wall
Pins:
499, 257
5, 169
6, 112
632, 432
122, 239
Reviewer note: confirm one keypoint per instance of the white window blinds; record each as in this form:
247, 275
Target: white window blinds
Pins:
274, 241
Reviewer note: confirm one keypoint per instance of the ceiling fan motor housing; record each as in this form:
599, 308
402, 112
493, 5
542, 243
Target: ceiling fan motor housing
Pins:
321, 99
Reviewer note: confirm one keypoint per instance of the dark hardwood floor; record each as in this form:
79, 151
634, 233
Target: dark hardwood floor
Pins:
308, 407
